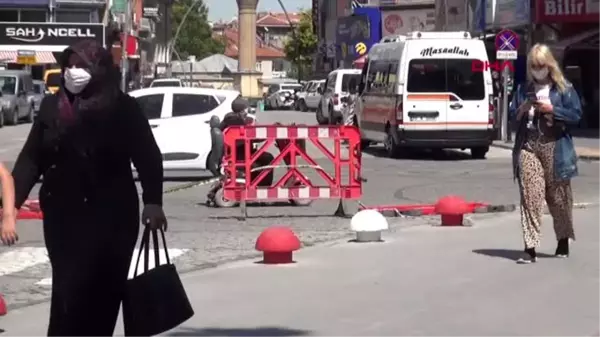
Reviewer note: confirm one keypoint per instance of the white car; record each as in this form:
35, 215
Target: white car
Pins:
281, 95
166, 82
311, 100
179, 118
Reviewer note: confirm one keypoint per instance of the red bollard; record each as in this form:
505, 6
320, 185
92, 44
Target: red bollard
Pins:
277, 244
452, 209
3, 310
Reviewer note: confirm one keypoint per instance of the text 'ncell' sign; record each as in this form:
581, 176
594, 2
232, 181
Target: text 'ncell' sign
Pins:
49, 34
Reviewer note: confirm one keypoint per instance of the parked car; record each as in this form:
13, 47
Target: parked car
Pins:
281, 95
16, 90
313, 97
179, 118
336, 87
39, 91
166, 82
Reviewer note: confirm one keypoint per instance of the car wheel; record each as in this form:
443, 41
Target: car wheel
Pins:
479, 152
322, 120
392, 149
31, 114
303, 106
13, 117
333, 119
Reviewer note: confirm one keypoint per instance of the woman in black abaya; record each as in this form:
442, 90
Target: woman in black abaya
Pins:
82, 143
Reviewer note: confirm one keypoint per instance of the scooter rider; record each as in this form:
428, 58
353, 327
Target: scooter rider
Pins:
239, 116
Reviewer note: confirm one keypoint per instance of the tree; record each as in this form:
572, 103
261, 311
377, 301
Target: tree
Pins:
195, 36
302, 44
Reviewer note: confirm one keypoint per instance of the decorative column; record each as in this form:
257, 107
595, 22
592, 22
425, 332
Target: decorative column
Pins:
247, 77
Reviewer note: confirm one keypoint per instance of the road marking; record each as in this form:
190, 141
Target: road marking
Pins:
19, 259
173, 254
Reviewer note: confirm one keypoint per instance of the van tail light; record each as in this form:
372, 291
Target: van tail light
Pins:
399, 112
336, 99
491, 110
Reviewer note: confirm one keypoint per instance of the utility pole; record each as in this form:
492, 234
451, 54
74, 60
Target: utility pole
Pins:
124, 38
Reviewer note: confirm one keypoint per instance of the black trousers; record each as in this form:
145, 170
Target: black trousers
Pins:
90, 263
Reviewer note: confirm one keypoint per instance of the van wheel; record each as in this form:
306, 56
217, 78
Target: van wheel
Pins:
322, 120
31, 114
1, 119
392, 149
479, 152
13, 117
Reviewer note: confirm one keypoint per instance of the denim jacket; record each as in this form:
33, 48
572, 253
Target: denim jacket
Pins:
567, 109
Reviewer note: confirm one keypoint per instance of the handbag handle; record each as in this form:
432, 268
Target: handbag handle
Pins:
144, 246
156, 249
145, 249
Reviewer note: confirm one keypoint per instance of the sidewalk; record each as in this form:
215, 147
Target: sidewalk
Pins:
422, 281
584, 153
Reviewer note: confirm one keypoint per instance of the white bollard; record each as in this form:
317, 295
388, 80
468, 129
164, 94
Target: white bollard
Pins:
368, 225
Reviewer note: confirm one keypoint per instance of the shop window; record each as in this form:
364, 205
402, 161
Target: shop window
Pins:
9, 15
32, 16
73, 16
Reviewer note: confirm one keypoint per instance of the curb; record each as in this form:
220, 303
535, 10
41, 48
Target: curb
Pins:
509, 146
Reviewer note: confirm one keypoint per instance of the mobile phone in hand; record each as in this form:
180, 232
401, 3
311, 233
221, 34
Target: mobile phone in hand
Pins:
532, 97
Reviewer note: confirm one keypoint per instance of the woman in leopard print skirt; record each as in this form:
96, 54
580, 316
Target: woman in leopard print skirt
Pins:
544, 158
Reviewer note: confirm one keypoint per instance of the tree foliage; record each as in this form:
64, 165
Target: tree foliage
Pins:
195, 36
302, 43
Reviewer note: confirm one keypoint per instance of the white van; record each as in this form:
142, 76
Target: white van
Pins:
336, 87
419, 90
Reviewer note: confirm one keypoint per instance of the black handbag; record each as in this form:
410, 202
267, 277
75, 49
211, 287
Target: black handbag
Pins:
155, 300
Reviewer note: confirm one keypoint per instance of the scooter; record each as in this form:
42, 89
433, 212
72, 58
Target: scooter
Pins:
215, 196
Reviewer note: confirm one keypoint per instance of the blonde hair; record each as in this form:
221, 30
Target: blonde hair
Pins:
541, 54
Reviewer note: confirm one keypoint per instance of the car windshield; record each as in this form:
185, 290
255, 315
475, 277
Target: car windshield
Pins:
346, 78
290, 87
446, 75
166, 84
8, 85
53, 80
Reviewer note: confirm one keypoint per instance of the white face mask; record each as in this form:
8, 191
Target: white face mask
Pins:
76, 79
540, 74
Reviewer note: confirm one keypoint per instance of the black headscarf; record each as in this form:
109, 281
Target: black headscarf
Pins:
98, 98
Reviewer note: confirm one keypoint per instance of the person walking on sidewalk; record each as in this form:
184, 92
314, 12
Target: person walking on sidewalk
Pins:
8, 234
544, 158
83, 142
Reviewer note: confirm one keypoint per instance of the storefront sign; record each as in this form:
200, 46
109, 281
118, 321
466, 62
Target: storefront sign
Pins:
26, 57
567, 11
49, 34
407, 20
353, 36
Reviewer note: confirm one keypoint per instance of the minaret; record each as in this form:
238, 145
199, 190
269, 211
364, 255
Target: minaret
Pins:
248, 76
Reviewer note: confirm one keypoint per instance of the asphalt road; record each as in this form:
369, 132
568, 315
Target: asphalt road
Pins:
201, 237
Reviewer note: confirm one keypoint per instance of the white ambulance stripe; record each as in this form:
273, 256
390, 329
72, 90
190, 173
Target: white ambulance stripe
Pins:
282, 133
19, 259
323, 133
261, 133
173, 254
302, 133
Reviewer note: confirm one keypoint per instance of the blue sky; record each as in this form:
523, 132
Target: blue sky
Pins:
227, 9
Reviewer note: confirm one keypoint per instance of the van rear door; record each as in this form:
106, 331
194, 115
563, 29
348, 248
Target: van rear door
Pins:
468, 108
426, 98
